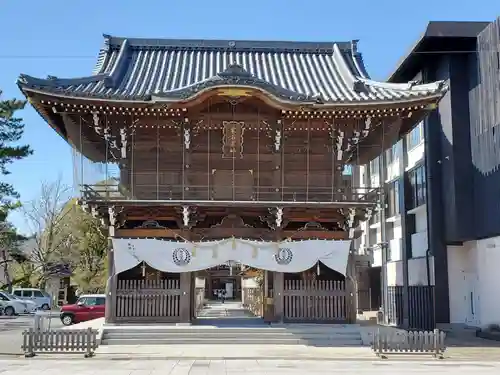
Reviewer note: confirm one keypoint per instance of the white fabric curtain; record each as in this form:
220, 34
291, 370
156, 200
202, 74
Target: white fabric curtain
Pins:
288, 256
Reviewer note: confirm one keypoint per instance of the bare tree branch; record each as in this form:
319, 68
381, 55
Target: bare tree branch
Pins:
46, 219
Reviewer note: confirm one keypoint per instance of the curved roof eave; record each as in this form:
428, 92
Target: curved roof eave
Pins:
312, 104
411, 86
235, 76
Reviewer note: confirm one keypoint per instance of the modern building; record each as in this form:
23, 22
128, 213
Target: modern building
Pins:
435, 242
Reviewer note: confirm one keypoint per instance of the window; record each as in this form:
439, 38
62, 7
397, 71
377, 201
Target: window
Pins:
418, 186
101, 301
416, 136
27, 294
393, 153
38, 294
3, 297
18, 293
375, 218
393, 199
90, 301
374, 167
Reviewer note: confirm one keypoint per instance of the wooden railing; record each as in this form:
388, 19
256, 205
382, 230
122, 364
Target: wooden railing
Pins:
240, 193
154, 299
413, 342
59, 341
313, 300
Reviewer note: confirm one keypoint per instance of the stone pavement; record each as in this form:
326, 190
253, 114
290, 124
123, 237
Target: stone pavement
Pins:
249, 367
231, 352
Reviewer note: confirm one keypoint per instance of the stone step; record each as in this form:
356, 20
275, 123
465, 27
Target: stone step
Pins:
230, 341
234, 335
200, 330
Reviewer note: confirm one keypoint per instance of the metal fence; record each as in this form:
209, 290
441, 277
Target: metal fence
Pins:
368, 300
413, 342
421, 303
59, 341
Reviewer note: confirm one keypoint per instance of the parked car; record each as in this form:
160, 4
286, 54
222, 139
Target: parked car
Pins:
11, 305
42, 299
87, 307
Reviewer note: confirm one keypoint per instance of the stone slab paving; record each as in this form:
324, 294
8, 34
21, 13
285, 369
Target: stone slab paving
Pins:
238, 367
239, 351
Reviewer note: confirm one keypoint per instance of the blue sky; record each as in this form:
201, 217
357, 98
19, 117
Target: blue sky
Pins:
62, 38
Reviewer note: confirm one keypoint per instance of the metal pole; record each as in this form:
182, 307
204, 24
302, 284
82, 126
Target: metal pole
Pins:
383, 236
405, 229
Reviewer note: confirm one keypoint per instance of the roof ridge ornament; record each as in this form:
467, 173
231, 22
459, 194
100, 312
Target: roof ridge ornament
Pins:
354, 46
235, 70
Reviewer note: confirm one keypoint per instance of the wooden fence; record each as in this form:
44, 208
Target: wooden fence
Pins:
313, 300
59, 341
413, 342
157, 300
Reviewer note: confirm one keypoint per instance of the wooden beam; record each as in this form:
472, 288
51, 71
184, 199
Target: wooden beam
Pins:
197, 233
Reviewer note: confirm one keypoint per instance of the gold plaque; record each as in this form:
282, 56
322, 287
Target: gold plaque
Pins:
233, 92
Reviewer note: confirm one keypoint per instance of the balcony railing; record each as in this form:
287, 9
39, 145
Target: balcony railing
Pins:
231, 193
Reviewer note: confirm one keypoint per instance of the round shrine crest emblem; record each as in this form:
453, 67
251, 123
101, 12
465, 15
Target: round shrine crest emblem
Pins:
181, 256
284, 256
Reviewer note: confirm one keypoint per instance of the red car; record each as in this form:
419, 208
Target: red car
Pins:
88, 307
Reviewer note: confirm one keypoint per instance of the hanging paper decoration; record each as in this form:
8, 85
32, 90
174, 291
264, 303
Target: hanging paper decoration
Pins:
255, 251
317, 269
233, 244
263, 255
143, 267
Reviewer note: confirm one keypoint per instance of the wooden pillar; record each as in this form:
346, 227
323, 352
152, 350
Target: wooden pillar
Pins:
110, 314
279, 279
265, 294
351, 290
185, 300
278, 285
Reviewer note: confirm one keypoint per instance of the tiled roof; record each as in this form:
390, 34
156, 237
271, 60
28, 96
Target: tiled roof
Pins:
172, 70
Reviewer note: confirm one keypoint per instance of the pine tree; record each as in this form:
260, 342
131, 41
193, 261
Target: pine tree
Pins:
11, 131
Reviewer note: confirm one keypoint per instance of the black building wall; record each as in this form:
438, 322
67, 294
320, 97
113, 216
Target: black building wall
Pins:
462, 203
484, 118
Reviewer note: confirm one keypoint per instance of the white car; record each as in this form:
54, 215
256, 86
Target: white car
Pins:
42, 299
14, 306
